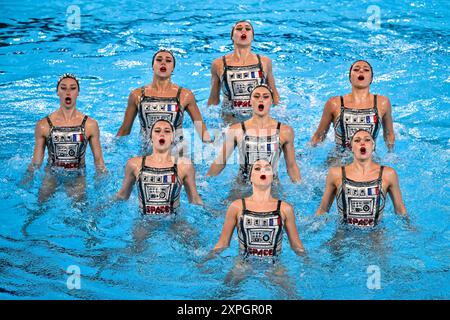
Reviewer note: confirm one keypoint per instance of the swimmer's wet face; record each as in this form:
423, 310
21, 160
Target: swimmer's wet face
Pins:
261, 173
68, 92
361, 74
163, 64
261, 100
242, 33
162, 135
362, 144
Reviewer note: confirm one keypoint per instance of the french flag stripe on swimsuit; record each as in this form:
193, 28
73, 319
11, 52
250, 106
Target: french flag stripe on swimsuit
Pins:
77, 137
373, 191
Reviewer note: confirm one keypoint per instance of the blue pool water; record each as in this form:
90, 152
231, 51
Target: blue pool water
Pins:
312, 45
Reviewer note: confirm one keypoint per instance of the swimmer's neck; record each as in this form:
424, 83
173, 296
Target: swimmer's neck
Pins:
362, 166
67, 113
241, 53
161, 156
261, 122
360, 94
160, 85
261, 193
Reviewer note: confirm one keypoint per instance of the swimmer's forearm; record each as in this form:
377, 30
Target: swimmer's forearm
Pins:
320, 211
294, 174
300, 251
123, 132
33, 166
215, 169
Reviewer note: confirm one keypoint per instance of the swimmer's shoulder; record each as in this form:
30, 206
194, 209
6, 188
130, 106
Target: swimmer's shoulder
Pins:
335, 173
389, 174
236, 206
333, 103
217, 65
134, 163
383, 103
42, 127
286, 209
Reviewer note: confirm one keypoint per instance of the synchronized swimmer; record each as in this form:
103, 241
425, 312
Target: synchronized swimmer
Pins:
249, 92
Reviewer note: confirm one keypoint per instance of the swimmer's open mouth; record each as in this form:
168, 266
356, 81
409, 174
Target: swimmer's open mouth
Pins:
363, 150
361, 77
161, 141
163, 69
261, 107
263, 177
68, 100
243, 37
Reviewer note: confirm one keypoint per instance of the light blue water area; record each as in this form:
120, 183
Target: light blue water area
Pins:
312, 45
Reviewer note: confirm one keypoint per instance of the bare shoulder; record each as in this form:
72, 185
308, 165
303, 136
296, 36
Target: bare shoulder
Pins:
286, 129
382, 99
389, 173
217, 63
236, 205
335, 172
383, 103
184, 162
91, 122
42, 127
134, 164
286, 207
265, 59
186, 94
333, 102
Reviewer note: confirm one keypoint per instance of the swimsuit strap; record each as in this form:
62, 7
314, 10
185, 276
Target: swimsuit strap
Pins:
279, 206
381, 173
179, 93
341, 122
142, 92
49, 122
380, 185
278, 126
344, 203
224, 62
259, 62
244, 208
143, 162
243, 126
343, 172
83, 123
375, 102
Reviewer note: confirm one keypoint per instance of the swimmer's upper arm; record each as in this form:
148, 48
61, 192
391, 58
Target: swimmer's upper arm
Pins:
330, 190
325, 121
287, 135
187, 174
388, 123
291, 228
93, 133
227, 149
131, 169
130, 113
41, 131
214, 96
393, 187
270, 78
229, 224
